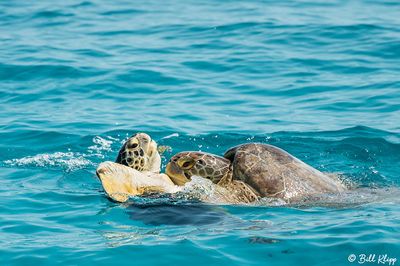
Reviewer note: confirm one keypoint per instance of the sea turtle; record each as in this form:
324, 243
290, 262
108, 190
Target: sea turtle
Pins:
136, 170
245, 173
254, 170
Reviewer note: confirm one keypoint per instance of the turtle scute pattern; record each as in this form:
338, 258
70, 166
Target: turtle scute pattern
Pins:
252, 163
273, 172
206, 165
219, 171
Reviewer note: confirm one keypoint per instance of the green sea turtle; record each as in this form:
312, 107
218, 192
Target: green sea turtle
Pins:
245, 173
136, 170
255, 170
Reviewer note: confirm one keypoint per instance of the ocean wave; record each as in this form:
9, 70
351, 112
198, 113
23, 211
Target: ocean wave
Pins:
318, 79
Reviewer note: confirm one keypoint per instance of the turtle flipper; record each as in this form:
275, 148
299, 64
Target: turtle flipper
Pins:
115, 180
121, 182
163, 148
243, 192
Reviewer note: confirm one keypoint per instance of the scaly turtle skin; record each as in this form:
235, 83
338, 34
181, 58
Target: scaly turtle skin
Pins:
136, 170
140, 152
256, 170
184, 165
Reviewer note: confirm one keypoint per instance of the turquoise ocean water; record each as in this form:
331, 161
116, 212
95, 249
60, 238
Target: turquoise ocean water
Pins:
320, 79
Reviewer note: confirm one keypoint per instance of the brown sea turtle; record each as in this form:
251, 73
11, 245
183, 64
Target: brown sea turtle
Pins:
255, 170
137, 172
245, 173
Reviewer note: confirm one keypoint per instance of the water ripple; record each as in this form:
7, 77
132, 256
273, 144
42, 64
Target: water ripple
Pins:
318, 79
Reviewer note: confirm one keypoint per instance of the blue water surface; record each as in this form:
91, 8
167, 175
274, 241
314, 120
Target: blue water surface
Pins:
320, 79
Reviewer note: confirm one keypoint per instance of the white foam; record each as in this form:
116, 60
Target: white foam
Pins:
101, 145
171, 136
198, 188
68, 160
199, 185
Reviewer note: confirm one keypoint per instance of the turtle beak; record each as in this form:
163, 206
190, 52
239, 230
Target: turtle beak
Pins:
176, 174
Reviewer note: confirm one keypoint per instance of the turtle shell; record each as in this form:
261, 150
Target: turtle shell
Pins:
273, 172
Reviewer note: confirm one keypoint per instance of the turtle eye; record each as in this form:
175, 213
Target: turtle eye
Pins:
133, 143
186, 163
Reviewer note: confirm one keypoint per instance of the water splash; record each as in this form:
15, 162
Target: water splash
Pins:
100, 145
67, 160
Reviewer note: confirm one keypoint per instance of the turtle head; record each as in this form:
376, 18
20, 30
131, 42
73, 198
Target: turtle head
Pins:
140, 152
184, 165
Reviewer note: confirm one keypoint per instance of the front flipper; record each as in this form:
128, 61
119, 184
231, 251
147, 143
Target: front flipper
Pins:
244, 192
121, 182
163, 148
